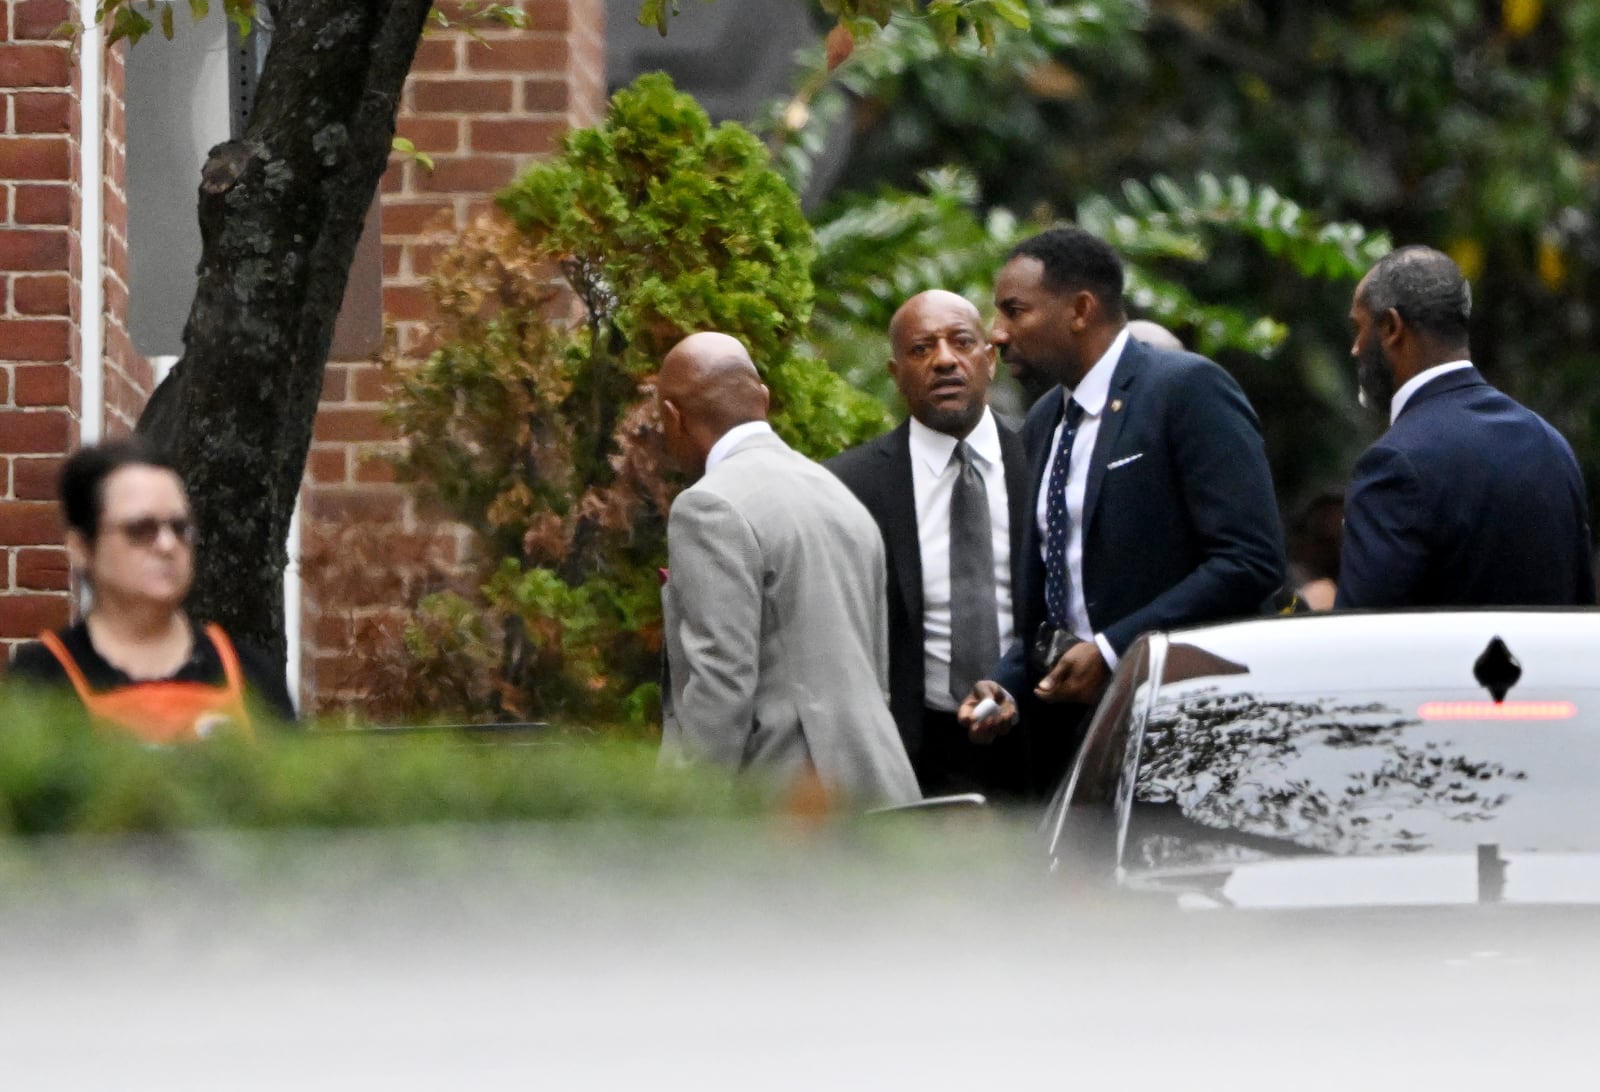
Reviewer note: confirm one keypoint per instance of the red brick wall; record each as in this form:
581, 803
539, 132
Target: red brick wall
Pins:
483, 110
38, 298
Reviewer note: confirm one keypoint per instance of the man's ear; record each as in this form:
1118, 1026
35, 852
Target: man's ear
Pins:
766, 401
1391, 326
78, 550
1084, 308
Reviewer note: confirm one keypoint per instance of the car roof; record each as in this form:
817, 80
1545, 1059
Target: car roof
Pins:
1370, 650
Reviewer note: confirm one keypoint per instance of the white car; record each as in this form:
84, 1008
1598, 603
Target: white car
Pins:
1341, 760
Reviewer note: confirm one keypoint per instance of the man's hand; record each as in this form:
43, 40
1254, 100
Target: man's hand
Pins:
1079, 676
997, 722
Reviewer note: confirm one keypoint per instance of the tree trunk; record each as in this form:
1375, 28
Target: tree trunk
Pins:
281, 212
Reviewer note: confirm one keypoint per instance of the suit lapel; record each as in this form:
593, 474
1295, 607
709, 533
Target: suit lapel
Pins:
1019, 491
1112, 418
1039, 437
900, 520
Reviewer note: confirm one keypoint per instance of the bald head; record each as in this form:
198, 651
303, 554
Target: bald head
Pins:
935, 301
1153, 333
706, 386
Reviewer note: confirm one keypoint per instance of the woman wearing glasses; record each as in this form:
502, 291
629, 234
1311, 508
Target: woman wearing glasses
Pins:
136, 661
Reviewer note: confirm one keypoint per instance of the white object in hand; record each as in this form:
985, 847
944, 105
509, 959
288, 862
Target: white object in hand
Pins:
985, 708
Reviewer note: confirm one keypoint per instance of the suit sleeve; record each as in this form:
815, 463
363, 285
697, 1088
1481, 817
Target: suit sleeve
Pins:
1012, 670
1385, 549
880, 629
715, 564
1585, 594
1227, 493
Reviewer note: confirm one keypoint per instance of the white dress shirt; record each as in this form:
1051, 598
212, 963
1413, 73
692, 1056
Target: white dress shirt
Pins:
1412, 385
933, 478
731, 439
1091, 393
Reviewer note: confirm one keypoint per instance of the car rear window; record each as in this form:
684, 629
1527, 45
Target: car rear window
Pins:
1229, 772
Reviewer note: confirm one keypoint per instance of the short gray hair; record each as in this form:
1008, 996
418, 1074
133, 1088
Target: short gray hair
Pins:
1426, 288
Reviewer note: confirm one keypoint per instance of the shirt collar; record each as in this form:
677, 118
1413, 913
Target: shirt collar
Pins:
731, 439
1416, 382
1093, 389
935, 448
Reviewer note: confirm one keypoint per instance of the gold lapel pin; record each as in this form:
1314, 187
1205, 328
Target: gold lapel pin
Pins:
1116, 405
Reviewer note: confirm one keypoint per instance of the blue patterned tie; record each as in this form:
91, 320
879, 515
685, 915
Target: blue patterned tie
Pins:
1056, 525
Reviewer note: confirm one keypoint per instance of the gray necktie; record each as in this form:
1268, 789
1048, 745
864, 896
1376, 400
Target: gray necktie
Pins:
974, 629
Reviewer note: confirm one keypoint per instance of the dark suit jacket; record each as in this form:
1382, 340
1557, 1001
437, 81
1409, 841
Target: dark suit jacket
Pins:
1180, 521
879, 474
1468, 500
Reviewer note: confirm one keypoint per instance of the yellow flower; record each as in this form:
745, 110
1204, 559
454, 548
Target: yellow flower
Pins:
1468, 254
1520, 16
1552, 263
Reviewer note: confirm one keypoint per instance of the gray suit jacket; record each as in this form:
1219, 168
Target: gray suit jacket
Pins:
776, 631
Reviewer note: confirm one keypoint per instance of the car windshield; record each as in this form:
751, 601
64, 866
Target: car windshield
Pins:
1231, 768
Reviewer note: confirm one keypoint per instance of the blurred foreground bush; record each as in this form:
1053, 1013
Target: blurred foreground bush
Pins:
58, 777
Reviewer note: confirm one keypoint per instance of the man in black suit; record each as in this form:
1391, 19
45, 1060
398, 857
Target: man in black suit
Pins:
909, 479
1469, 499
1152, 504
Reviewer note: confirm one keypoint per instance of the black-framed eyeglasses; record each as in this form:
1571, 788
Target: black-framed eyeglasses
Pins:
145, 531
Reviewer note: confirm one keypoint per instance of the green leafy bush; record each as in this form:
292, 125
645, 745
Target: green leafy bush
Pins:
59, 777
539, 432
876, 251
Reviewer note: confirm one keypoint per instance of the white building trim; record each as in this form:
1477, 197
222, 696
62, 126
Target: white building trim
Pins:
91, 228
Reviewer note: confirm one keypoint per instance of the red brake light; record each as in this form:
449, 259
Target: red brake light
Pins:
1491, 710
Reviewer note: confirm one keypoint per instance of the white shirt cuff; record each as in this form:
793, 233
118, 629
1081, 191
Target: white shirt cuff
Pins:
1106, 651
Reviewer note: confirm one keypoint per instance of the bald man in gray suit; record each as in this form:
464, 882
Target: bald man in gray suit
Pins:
775, 606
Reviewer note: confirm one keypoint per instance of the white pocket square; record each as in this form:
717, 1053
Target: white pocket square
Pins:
1125, 460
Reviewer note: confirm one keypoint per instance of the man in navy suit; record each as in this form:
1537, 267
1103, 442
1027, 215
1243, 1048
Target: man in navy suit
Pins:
942, 364
1469, 499
1152, 503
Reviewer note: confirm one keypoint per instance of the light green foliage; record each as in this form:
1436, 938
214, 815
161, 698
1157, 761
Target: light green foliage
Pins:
875, 252
938, 239
131, 20
1167, 219
576, 630
948, 20
666, 225
58, 777
408, 149
542, 437
877, 249
883, 66
471, 17
1471, 127
1163, 221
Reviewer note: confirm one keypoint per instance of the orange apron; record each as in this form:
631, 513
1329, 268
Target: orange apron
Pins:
165, 712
